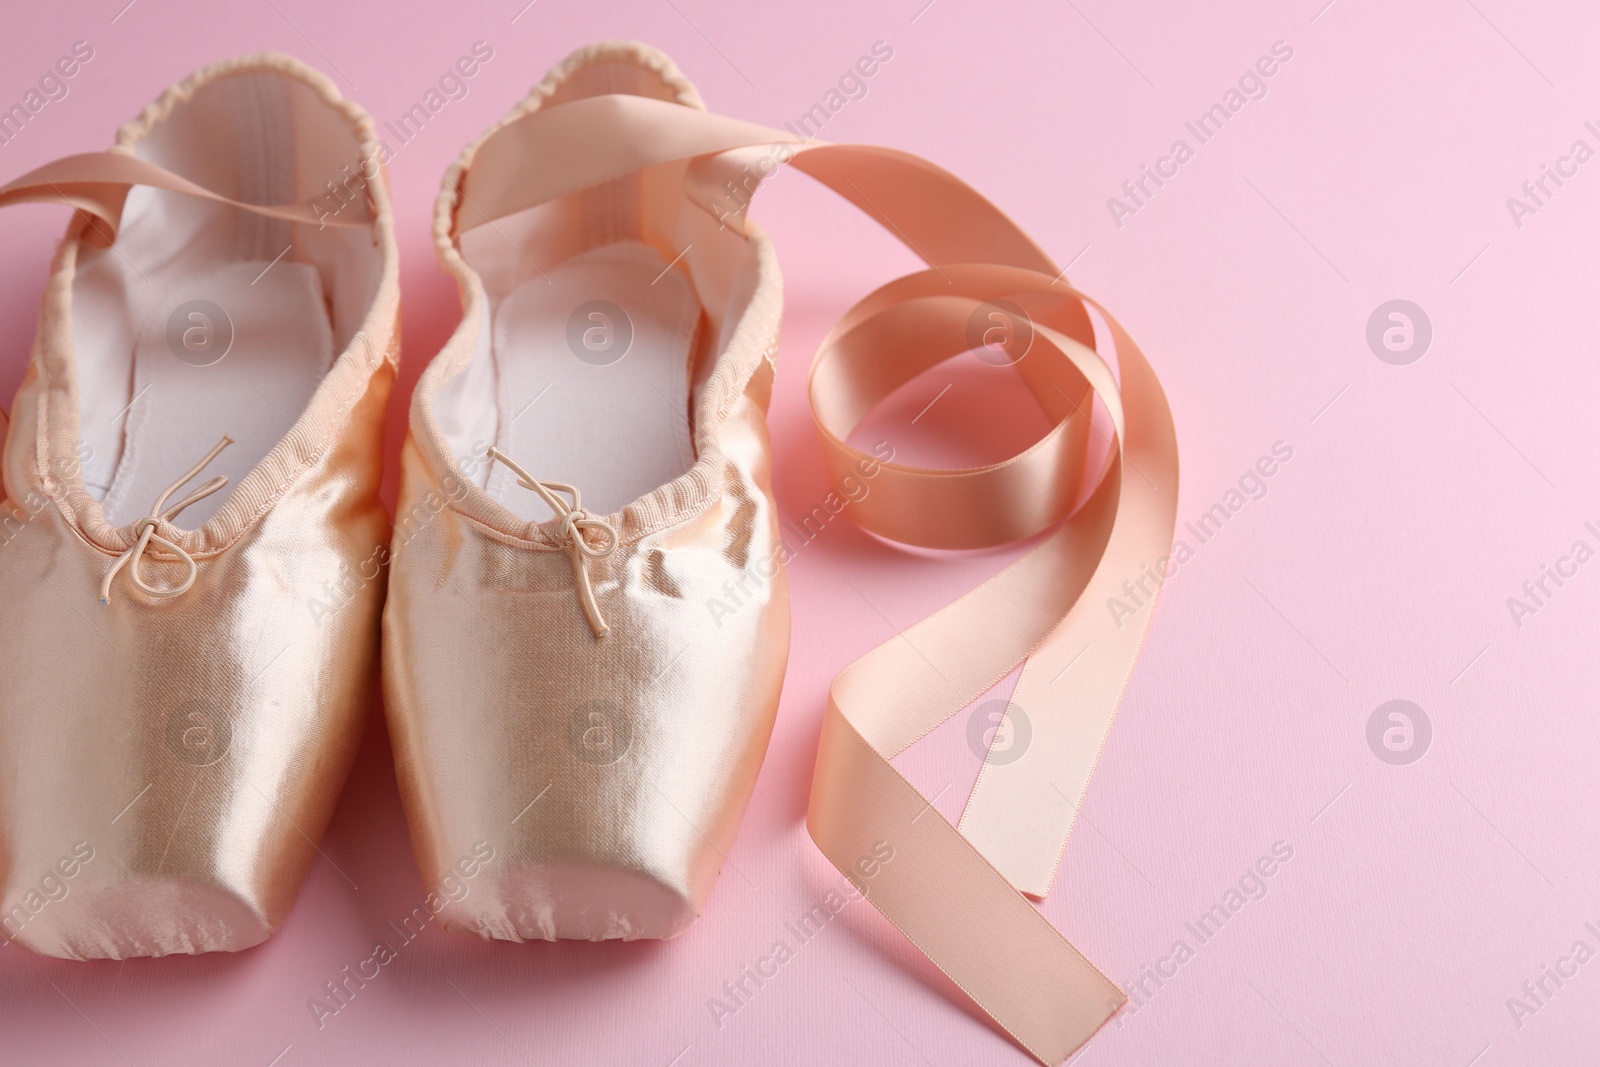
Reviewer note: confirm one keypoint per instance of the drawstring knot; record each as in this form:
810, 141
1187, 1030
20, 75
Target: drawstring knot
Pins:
146, 529
575, 521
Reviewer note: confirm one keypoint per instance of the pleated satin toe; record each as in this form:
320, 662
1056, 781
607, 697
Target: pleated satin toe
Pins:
587, 622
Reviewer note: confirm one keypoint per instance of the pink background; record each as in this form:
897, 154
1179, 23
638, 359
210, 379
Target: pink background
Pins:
1419, 498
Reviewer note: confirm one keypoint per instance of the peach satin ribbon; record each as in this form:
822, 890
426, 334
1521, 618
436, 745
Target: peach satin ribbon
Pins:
957, 894
97, 184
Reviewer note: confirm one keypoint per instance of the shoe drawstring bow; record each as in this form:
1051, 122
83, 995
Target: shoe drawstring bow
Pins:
574, 522
147, 533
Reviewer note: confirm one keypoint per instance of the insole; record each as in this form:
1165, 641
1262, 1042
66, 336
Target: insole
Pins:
592, 365
235, 350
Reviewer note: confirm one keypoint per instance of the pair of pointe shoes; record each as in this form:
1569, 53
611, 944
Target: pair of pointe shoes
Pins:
194, 558
578, 707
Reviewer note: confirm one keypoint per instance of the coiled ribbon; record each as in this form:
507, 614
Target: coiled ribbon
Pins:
958, 894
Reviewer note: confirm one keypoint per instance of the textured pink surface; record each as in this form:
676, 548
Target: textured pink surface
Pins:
1419, 898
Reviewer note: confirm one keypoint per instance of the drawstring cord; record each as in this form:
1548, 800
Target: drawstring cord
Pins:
147, 532
574, 520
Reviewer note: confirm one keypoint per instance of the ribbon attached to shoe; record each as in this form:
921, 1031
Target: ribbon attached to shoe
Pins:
958, 894
97, 184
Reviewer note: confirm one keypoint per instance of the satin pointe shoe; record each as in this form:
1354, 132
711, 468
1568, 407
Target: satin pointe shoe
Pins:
587, 623
191, 543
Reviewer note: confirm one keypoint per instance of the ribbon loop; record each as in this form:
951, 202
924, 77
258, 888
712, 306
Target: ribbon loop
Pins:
978, 507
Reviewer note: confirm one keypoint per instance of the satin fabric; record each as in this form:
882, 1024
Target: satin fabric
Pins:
97, 184
167, 766
607, 774
958, 894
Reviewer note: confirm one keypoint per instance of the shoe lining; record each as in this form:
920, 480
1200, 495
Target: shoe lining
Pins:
279, 348
592, 378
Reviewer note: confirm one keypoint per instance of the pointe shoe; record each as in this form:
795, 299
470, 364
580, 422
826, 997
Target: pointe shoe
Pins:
587, 623
185, 664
